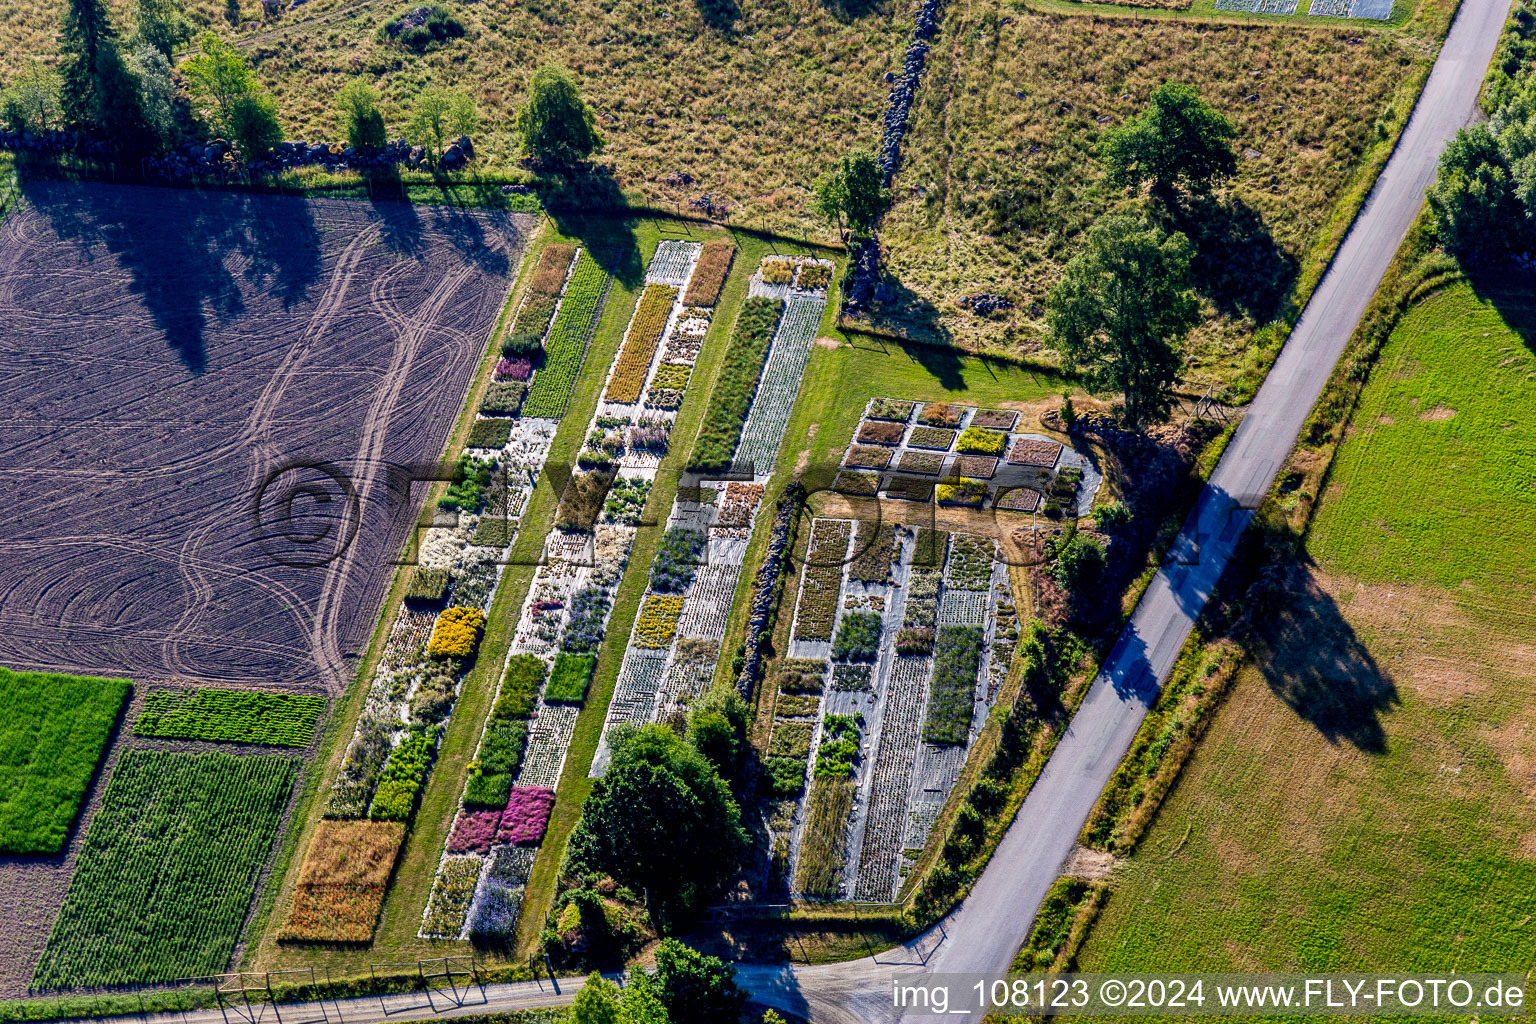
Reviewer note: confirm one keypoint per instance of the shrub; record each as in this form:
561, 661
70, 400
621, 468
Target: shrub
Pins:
970, 563
640, 343
582, 501
800, 675
501, 750
421, 28
52, 734
456, 633
710, 272
941, 414
737, 384
782, 776
936, 438
569, 679
1079, 564
877, 432
677, 559
429, 586
672, 375
503, 398
492, 433
526, 816
1110, 515
657, 624
523, 345
230, 716
980, 441
791, 739
839, 746
520, 686
859, 484
487, 791
915, 640
466, 491
858, 637
890, 409
403, 774
952, 694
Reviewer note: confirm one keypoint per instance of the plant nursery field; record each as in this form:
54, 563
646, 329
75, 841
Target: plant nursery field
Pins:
53, 729
1000, 174
1362, 800
170, 353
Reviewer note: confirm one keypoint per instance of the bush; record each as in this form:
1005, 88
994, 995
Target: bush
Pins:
980, 441
569, 679
657, 624
421, 28
852, 678
501, 750
1115, 513
503, 398
520, 687
466, 491
782, 776
433, 699
403, 774
677, 560
858, 637
487, 791
456, 633
736, 385
915, 640
493, 433
1079, 564
584, 628
839, 746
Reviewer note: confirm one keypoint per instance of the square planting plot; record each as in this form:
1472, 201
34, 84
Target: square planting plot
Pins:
503, 398
909, 488
800, 675
970, 563
852, 678
890, 409
791, 739
978, 466
979, 441
861, 484
789, 706
224, 316
961, 492
862, 457
920, 462
526, 816
952, 696
1029, 451
1018, 499
452, 892
53, 729
491, 433
996, 419
935, 438
569, 679
941, 414
657, 624
878, 432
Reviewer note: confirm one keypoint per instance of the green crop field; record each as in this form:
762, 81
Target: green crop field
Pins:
53, 729
1362, 801
230, 716
168, 869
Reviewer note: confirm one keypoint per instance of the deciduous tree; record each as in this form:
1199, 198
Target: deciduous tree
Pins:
1179, 139
360, 119
556, 126
1121, 311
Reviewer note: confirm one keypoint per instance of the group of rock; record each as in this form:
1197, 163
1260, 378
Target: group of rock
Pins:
52, 143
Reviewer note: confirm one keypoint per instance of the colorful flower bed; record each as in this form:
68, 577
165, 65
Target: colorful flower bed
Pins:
936, 438
880, 432
645, 332
341, 883
569, 678
456, 633
626, 500
941, 414
474, 832
858, 637
657, 624
961, 491
589, 614
952, 693
822, 581
997, 419
513, 369
890, 409
1028, 451
980, 441
526, 816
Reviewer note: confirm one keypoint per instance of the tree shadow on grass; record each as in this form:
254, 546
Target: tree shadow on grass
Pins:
1312, 660
589, 206
900, 319
1238, 265
1512, 291
720, 15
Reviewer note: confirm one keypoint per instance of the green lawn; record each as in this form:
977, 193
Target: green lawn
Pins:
1362, 801
53, 729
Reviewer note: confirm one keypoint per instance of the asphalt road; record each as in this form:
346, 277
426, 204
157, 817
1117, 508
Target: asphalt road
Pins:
985, 932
